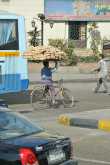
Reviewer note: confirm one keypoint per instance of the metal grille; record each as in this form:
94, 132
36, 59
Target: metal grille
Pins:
77, 32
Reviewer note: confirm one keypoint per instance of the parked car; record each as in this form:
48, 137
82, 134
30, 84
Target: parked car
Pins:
3, 103
23, 143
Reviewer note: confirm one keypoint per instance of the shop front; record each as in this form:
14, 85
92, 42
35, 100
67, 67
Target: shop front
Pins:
79, 15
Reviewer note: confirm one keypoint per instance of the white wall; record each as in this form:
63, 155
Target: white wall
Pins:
103, 27
59, 31
30, 9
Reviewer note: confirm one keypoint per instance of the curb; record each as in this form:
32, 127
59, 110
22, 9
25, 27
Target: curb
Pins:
102, 124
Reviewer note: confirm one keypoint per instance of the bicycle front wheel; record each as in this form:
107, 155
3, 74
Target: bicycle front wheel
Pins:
39, 98
67, 98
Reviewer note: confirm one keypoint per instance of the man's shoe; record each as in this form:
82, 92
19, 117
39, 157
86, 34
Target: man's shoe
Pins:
53, 102
95, 91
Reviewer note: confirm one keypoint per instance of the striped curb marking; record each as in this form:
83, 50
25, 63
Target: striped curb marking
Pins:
104, 125
65, 120
86, 123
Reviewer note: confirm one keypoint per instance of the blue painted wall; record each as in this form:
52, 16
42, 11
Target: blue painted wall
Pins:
13, 83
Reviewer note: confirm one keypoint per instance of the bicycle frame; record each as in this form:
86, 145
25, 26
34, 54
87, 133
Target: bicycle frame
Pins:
43, 96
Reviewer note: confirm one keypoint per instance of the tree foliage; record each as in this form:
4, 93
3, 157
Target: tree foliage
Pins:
34, 37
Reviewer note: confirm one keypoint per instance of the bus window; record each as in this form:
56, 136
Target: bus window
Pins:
9, 35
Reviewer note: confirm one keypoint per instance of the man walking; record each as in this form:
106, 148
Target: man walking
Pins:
102, 70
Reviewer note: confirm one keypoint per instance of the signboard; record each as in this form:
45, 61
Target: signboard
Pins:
77, 10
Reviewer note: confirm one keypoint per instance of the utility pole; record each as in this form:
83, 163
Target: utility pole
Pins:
42, 19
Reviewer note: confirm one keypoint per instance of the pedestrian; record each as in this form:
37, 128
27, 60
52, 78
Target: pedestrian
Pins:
95, 41
102, 70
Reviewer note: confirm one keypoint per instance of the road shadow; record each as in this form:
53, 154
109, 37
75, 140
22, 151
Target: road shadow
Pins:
24, 98
17, 98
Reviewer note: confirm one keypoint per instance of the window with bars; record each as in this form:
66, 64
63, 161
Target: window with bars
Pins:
78, 32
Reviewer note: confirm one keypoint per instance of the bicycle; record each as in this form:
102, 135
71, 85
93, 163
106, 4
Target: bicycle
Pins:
41, 97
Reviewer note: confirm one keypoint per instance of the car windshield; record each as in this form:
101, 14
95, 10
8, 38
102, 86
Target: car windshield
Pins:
13, 125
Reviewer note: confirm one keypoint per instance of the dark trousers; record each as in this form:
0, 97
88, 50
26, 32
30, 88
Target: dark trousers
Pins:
102, 81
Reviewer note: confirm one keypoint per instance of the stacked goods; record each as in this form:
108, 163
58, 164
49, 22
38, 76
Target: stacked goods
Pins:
41, 53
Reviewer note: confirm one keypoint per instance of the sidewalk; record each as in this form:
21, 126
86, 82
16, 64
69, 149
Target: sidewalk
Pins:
97, 119
67, 77
80, 73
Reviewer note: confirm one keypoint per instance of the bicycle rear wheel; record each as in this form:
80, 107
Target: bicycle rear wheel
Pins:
67, 98
39, 98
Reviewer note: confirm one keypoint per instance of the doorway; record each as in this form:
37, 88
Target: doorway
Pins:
78, 33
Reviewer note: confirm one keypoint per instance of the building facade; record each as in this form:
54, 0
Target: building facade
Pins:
26, 8
77, 16
71, 18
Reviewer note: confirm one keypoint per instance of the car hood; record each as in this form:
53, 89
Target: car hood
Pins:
34, 139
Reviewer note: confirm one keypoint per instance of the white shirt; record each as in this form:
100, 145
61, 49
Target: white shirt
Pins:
103, 68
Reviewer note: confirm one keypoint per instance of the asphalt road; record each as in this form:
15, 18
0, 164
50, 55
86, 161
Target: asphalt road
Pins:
85, 99
91, 147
